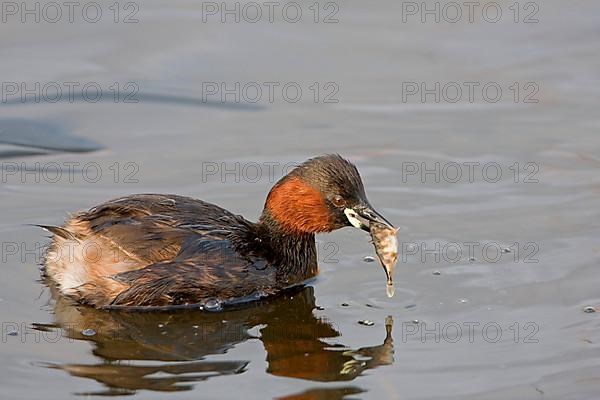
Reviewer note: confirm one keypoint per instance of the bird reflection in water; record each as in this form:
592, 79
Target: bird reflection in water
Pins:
166, 351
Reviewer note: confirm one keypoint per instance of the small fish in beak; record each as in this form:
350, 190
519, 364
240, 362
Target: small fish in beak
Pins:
383, 235
386, 247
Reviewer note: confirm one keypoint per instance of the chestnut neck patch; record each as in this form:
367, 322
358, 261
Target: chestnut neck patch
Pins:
298, 207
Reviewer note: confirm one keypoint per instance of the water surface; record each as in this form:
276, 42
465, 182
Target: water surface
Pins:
310, 344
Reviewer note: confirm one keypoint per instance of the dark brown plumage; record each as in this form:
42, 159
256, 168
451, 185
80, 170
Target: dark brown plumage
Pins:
164, 250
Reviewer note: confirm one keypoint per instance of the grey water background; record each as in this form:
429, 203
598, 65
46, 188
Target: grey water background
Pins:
174, 140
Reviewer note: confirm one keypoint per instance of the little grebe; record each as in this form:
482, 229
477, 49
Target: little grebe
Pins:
166, 250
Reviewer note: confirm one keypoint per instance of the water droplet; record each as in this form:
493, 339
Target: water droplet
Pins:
415, 321
368, 258
366, 322
437, 273
472, 259
320, 308
589, 309
88, 332
13, 333
213, 305
506, 250
408, 307
463, 300
345, 304
390, 290
195, 326
161, 325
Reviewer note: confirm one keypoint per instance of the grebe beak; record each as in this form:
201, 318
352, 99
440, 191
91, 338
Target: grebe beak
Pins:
362, 215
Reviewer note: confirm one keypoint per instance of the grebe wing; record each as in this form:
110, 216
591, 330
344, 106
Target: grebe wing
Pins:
154, 228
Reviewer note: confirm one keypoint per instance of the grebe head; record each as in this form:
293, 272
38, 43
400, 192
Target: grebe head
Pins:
322, 194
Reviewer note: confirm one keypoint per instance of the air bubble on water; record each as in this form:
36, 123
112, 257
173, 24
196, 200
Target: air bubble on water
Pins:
213, 305
506, 250
415, 321
258, 295
437, 273
463, 300
368, 258
195, 326
88, 332
366, 322
345, 304
589, 309
161, 325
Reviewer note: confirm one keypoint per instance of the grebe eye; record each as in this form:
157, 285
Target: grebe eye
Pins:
338, 201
